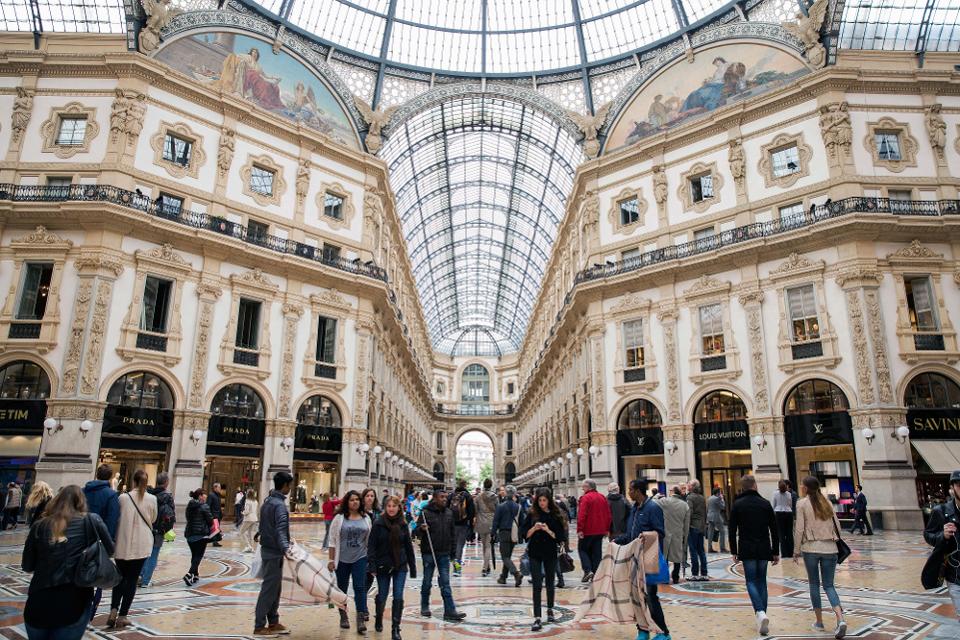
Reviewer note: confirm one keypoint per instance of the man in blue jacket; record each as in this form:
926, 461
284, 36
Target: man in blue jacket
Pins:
646, 515
507, 513
103, 500
274, 545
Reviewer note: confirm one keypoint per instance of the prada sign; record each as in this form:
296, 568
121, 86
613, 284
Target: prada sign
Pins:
934, 424
815, 429
236, 430
137, 421
721, 436
317, 438
640, 442
22, 417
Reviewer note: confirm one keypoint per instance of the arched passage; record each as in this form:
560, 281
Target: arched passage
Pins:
721, 440
473, 456
640, 443
932, 400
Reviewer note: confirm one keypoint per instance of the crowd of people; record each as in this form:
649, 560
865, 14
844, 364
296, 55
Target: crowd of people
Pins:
371, 539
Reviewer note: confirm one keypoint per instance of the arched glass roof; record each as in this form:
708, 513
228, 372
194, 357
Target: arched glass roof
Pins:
481, 183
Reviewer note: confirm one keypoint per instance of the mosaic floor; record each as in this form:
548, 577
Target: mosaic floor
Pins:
879, 587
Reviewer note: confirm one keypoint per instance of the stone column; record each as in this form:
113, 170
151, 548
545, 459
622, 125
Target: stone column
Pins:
680, 464
187, 451
277, 456
353, 472
770, 462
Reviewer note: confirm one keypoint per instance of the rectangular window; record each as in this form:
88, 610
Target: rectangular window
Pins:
177, 150
156, 301
629, 211
785, 161
34, 292
630, 254
440, 389
257, 231
261, 180
510, 388
633, 343
60, 185
802, 305
439, 440
888, 145
331, 252
920, 301
704, 234
248, 324
327, 340
791, 212
333, 206
701, 187
509, 440
900, 194
72, 131
169, 205
711, 329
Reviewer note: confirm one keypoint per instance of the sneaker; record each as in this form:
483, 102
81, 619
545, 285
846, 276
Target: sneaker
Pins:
188, 579
661, 636
587, 577
537, 625
763, 623
704, 578
643, 635
264, 632
841, 629
552, 619
518, 579
455, 616
425, 613
501, 580
818, 627
457, 567
279, 629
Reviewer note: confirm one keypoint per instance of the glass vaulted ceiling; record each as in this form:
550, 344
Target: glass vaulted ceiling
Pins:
481, 184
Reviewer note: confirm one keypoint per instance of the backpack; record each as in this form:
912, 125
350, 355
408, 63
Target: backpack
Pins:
458, 504
166, 517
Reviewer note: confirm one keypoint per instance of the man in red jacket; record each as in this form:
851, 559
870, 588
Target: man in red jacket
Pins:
329, 509
593, 525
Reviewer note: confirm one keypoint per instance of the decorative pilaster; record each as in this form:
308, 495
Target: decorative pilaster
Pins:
751, 302
668, 322
861, 352
209, 293
291, 317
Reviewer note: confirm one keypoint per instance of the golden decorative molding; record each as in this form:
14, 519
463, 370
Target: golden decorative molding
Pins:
685, 190
51, 128
279, 184
198, 157
908, 144
780, 142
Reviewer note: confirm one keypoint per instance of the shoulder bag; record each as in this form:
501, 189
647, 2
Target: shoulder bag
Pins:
843, 549
94, 567
139, 513
515, 527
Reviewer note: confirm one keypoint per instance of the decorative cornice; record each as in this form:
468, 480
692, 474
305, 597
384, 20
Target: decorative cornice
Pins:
915, 251
706, 285
97, 261
861, 275
163, 253
42, 237
254, 278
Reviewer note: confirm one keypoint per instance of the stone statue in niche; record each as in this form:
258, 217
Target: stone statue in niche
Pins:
126, 114
737, 163
303, 180
376, 119
225, 152
159, 14
807, 30
659, 185
836, 129
589, 126
22, 109
936, 128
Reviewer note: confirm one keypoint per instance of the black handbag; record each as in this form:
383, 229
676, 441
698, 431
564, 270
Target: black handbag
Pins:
932, 575
95, 568
566, 562
843, 549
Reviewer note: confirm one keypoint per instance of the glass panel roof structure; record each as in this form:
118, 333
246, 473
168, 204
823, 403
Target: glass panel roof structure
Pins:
481, 184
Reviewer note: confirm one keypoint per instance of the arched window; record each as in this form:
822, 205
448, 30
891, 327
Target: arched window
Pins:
238, 400
509, 472
319, 411
475, 384
932, 391
815, 396
24, 380
141, 389
639, 414
720, 406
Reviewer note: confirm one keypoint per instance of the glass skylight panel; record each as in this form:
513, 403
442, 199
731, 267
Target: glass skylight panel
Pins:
944, 32
697, 9
628, 30
340, 23
885, 24
422, 46
449, 14
65, 16
511, 15
532, 50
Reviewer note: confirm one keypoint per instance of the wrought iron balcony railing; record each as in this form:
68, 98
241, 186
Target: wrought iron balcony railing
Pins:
473, 410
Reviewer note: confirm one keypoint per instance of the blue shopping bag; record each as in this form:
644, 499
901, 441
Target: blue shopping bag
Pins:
662, 576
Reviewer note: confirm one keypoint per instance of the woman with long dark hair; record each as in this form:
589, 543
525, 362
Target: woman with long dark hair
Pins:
134, 544
370, 504
57, 608
816, 533
543, 533
390, 554
349, 535
199, 521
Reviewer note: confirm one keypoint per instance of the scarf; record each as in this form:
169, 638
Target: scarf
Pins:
394, 526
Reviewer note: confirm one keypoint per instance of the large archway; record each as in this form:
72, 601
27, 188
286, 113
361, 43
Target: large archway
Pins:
473, 456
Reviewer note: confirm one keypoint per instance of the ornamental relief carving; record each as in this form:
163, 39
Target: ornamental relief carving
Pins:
915, 252
22, 110
50, 130
936, 129
751, 301
879, 341
98, 262
40, 236
836, 130
208, 294
707, 285
291, 314
71, 360
861, 350
90, 380
780, 142
668, 322
198, 157
228, 142
908, 145
126, 115
362, 382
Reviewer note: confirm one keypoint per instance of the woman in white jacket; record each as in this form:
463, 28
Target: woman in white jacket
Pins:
134, 544
349, 533
250, 522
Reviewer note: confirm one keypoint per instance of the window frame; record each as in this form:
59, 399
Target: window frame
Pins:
170, 285
614, 214
50, 130
806, 317
22, 290
767, 165
908, 146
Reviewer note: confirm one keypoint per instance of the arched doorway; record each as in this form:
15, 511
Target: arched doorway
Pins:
819, 439
438, 473
640, 444
721, 441
509, 472
235, 435
316, 452
933, 417
24, 389
137, 426
473, 458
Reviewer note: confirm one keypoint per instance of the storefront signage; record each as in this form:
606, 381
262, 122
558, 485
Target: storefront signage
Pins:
236, 430
318, 438
934, 424
640, 442
22, 417
816, 429
138, 421
721, 436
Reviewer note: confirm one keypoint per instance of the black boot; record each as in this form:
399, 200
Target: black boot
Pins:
378, 621
396, 614
361, 624
344, 620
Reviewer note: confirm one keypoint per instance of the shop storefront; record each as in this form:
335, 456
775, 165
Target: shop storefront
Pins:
316, 453
933, 417
235, 436
640, 444
721, 439
137, 427
24, 389
819, 438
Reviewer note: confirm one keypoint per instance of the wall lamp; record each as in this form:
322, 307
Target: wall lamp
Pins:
569, 456
670, 447
580, 452
901, 433
868, 434
287, 443
196, 437
362, 449
52, 425
760, 441
594, 451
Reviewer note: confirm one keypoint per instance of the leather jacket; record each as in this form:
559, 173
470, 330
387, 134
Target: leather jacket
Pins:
54, 564
933, 534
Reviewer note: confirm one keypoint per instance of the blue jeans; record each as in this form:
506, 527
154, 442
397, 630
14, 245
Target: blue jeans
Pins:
148, 567
71, 632
821, 568
698, 555
442, 566
756, 574
358, 571
398, 578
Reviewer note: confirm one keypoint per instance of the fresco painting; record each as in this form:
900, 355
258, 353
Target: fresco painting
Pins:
717, 77
276, 82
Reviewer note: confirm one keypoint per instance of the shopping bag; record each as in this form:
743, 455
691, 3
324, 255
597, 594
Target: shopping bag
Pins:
256, 565
663, 575
215, 534
312, 575
170, 536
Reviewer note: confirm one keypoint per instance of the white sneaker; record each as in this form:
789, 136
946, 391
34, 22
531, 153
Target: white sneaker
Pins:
841, 630
763, 623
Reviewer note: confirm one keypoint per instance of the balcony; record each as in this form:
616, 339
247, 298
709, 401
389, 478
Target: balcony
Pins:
713, 363
473, 410
805, 350
151, 342
634, 375
322, 370
24, 330
247, 358
927, 342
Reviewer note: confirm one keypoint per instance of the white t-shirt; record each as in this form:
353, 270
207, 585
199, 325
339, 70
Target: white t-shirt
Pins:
239, 498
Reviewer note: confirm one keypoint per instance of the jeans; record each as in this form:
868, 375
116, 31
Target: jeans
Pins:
462, 531
656, 611
73, 631
398, 578
442, 565
148, 567
785, 528
326, 533
756, 574
197, 549
541, 568
268, 602
10, 517
698, 555
486, 544
123, 593
821, 568
506, 554
711, 527
358, 571
237, 515
590, 549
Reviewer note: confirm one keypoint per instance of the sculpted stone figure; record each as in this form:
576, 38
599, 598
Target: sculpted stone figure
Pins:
303, 179
936, 128
159, 15
737, 163
22, 109
376, 120
126, 114
807, 30
660, 185
835, 128
225, 152
589, 126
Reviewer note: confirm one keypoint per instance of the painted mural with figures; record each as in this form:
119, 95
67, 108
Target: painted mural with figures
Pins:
276, 82
718, 76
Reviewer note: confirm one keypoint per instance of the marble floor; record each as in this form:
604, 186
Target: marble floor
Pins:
879, 587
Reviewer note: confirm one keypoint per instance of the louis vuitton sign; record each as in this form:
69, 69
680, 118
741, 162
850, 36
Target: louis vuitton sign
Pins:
818, 429
640, 442
730, 435
138, 421
934, 424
